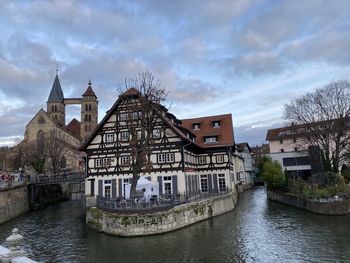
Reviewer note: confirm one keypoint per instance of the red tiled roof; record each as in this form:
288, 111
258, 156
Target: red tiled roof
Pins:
224, 133
89, 91
74, 126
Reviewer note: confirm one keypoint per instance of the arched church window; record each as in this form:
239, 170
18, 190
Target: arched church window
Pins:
86, 107
55, 108
89, 107
40, 138
89, 117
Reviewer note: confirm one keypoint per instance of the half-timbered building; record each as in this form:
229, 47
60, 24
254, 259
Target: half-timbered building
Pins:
186, 156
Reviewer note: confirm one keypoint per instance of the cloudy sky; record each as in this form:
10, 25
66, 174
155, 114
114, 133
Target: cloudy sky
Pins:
245, 57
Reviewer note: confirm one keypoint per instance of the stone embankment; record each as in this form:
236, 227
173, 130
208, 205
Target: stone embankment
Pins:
13, 202
159, 222
323, 207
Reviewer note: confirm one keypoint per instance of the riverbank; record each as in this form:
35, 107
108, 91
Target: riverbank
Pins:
150, 223
323, 207
14, 201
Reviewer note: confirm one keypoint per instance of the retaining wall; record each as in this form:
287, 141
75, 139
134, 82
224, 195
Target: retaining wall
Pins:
159, 222
13, 202
319, 207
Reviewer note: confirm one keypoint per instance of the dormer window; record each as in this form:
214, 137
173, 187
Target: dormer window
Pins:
211, 139
216, 124
195, 126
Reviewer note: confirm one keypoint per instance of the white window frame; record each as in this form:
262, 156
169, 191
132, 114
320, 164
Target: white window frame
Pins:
220, 158
98, 162
156, 134
106, 162
107, 183
125, 160
170, 158
202, 159
109, 137
168, 180
126, 181
161, 158
222, 180
216, 124
211, 139
124, 136
123, 116
204, 178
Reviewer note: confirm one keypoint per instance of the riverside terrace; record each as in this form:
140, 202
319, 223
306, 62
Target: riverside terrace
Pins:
154, 203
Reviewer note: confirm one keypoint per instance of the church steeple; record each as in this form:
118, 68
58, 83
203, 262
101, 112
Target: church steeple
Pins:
89, 112
55, 102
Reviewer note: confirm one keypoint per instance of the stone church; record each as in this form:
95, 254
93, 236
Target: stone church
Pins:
72, 134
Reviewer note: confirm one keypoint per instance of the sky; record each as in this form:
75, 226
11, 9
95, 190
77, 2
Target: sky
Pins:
245, 57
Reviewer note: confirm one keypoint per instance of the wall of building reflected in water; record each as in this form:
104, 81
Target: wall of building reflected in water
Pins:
257, 231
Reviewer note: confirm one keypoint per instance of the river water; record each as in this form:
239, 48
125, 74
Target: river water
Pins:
258, 230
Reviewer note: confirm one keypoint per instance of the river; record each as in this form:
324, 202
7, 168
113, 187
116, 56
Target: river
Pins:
258, 230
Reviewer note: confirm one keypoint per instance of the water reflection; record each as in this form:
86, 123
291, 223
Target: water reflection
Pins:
257, 231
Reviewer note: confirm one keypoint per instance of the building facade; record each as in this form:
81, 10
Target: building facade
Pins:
186, 156
243, 149
53, 120
286, 147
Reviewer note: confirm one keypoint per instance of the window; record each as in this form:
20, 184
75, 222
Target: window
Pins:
125, 160
106, 162
212, 139
216, 124
123, 116
202, 160
167, 185
107, 188
195, 126
156, 133
109, 137
98, 162
296, 149
222, 182
161, 158
294, 140
124, 136
282, 150
204, 183
281, 141
166, 158
135, 115
219, 158
89, 107
170, 157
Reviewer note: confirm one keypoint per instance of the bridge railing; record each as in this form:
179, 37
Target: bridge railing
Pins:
57, 177
154, 202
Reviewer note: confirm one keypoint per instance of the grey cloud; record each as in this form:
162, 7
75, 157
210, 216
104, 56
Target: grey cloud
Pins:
256, 63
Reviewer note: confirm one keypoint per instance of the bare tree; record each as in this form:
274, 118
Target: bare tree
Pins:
141, 101
325, 117
55, 149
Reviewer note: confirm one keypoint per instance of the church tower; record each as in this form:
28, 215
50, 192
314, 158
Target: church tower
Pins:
55, 103
89, 112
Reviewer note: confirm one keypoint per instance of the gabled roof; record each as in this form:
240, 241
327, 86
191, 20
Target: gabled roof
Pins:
224, 133
241, 146
74, 126
56, 94
132, 92
89, 91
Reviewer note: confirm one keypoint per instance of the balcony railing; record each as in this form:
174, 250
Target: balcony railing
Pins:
153, 203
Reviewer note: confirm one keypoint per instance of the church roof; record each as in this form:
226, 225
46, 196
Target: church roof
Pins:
89, 91
56, 94
74, 126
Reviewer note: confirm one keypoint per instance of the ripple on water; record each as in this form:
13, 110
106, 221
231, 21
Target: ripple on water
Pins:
256, 231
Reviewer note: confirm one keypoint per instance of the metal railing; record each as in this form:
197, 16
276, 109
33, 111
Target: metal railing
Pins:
8, 184
55, 178
154, 202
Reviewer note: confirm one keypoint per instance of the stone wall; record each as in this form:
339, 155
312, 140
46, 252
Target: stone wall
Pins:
159, 222
13, 202
324, 208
